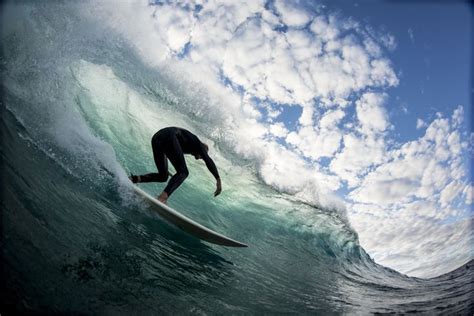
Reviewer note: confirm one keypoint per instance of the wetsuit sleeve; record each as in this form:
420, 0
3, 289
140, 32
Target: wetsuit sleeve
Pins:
209, 163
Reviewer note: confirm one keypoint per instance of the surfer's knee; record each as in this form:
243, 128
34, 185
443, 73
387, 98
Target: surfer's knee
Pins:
184, 172
162, 177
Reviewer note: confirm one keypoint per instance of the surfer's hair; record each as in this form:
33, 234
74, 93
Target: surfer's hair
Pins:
205, 147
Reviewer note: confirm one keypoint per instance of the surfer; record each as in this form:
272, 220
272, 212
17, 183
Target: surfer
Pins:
172, 143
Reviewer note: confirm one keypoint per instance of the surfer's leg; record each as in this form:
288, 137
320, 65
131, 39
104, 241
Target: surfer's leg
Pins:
176, 157
160, 161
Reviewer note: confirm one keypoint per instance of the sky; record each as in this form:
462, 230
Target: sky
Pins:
433, 48
359, 105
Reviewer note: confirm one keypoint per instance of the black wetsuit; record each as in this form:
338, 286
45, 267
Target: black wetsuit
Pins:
173, 143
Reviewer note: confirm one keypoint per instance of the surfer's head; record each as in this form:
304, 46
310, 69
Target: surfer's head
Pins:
197, 155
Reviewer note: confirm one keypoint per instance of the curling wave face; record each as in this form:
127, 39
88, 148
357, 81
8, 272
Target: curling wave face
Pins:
78, 112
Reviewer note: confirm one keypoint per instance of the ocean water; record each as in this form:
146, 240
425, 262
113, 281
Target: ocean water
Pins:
78, 111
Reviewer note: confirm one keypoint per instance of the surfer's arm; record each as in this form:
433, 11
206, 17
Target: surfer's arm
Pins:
211, 166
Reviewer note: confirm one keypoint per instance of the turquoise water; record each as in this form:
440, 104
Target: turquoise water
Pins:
78, 112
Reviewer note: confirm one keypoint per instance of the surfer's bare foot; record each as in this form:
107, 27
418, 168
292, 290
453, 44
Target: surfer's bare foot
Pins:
163, 198
134, 178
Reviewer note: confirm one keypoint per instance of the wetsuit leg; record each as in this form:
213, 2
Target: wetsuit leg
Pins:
160, 161
175, 154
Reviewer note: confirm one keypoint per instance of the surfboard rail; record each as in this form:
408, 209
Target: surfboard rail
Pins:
186, 224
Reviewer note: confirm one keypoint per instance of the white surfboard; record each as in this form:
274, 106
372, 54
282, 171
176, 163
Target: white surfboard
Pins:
186, 224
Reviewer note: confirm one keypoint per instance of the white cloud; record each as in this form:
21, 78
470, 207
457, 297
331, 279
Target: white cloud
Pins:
291, 15
458, 116
278, 130
331, 118
434, 178
270, 18
452, 190
306, 117
454, 143
356, 157
304, 46
371, 113
372, 48
469, 194
382, 73
313, 143
325, 28
388, 41
420, 124
177, 25
411, 35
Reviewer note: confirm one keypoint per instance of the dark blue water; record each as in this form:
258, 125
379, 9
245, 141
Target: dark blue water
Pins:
78, 109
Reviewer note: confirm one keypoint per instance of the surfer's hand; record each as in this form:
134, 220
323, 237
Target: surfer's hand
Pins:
218, 187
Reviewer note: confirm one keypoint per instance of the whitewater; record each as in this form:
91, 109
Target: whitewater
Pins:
79, 107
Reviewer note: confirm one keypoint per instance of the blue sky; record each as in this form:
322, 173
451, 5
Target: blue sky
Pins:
364, 104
